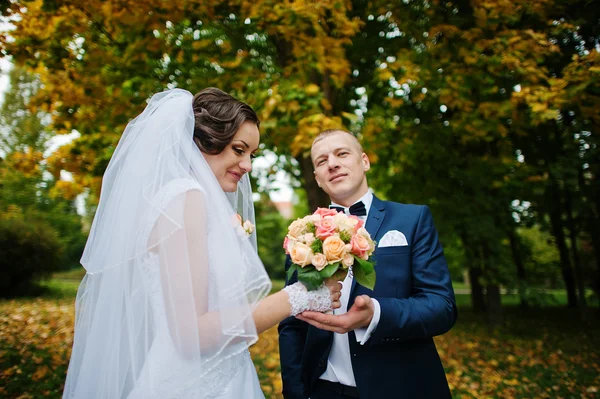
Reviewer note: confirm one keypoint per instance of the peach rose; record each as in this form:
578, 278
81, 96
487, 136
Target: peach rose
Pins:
334, 249
297, 228
348, 260
363, 232
360, 246
325, 228
325, 212
319, 261
301, 254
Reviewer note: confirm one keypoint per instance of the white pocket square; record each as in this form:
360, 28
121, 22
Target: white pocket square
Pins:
392, 238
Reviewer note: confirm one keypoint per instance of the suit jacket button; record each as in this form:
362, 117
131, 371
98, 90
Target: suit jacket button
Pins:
321, 363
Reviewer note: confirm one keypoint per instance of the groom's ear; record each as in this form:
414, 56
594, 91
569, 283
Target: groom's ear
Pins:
366, 162
316, 178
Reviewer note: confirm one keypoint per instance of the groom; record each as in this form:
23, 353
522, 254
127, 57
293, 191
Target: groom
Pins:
379, 344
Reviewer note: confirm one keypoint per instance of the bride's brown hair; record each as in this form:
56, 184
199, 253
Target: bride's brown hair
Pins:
218, 116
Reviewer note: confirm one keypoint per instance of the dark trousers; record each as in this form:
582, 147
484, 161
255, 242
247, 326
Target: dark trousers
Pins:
332, 390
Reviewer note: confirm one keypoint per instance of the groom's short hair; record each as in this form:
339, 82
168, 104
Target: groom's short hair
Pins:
330, 132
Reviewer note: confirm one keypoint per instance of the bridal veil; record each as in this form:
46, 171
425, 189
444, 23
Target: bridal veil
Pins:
171, 280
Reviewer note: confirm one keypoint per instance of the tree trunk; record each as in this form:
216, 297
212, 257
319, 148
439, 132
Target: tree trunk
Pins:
559, 235
477, 297
574, 251
474, 271
595, 233
515, 247
494, 304
316, 196
492, 295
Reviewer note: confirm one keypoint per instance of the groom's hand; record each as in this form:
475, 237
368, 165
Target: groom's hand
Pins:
359, 315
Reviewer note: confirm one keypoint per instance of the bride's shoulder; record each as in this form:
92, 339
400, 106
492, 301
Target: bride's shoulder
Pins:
176, 188
183, 184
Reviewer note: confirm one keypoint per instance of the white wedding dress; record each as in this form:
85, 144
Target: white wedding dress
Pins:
233, 378
165, 309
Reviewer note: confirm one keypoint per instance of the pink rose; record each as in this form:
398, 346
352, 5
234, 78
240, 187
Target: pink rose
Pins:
334, 249
360, 246
325, 228
286, 243
325, 212
319, 261
301, 254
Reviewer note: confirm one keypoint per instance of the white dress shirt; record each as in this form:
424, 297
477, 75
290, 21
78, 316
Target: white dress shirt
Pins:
339, 365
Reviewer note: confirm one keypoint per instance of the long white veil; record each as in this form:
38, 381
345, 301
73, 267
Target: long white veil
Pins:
171, 283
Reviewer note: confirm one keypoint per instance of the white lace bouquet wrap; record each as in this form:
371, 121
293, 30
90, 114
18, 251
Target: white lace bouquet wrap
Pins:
301, 299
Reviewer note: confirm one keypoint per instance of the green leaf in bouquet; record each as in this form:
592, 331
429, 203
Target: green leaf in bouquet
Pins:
329, 270
317, 246
311, 279
345, 236
364, 273
291, 271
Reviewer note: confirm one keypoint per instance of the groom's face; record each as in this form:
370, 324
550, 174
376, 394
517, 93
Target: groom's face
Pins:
340, 166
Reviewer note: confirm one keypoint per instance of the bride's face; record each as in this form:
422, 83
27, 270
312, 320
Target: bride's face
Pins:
236, 159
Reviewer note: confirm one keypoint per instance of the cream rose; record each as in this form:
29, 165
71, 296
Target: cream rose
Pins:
301, 254
297, 228
307, 238
249, 227
334, 249
319, 261
345, 223
348, 260
314, 218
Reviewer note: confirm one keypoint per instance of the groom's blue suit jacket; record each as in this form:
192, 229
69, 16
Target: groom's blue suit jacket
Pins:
414, 290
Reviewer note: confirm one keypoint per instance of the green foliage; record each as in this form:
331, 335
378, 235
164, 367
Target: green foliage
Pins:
29, 251
364, 273
270, 229
329, 270
26, 186
310, 277
542, 260
317, 245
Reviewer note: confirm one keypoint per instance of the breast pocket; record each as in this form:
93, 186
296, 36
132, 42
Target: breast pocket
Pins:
395, 249
393, 271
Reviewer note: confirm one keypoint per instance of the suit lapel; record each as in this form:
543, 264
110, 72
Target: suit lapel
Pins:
374, 220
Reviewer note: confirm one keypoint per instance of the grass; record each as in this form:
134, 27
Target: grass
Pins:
545, 352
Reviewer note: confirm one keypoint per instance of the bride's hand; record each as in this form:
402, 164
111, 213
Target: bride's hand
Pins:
335, 291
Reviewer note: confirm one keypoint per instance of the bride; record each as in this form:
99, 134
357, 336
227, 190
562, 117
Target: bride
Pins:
174, 291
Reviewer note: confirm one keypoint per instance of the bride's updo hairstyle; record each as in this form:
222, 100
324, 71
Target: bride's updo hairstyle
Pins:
218, 116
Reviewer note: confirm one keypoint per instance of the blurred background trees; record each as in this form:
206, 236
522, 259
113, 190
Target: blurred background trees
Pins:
486, 111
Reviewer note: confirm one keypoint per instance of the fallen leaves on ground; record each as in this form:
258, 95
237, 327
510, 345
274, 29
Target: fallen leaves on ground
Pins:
523, 361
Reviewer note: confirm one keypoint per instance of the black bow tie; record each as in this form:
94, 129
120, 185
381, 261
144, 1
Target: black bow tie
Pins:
357, 209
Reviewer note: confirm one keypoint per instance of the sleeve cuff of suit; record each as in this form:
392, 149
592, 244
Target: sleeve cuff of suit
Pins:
364, 333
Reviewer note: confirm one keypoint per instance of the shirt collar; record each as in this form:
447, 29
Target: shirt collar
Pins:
367, 199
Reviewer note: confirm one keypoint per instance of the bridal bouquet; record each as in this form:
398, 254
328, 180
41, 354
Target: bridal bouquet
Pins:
329, 243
